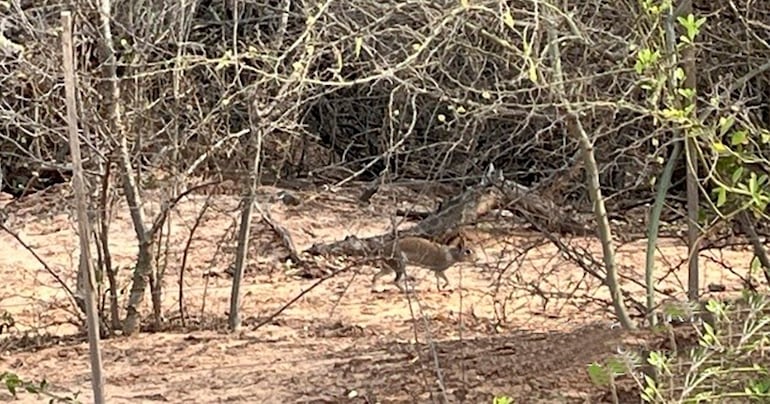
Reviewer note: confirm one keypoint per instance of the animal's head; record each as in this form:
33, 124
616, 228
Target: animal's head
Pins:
461, 250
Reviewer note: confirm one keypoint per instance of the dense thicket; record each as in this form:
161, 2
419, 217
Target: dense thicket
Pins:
424, 88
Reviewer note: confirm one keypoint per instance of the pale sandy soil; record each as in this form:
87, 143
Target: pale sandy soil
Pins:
340, 342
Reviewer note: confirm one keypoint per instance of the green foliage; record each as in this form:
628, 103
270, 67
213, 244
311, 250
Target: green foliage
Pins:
725, 366
692, 28
737, 145
605, 374
14, 384
669, 102
736, 152
502, 400
655, 8
645, 60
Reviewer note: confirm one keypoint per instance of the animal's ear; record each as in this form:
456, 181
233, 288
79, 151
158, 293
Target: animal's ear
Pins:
456, 240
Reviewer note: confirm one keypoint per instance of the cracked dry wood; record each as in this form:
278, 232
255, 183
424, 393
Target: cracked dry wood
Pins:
463, 210
452, 214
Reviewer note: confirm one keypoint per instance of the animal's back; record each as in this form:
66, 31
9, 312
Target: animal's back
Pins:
421, 252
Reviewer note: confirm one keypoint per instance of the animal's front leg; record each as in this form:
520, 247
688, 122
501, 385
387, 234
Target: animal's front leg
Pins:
404, 278
440, 276
409, 281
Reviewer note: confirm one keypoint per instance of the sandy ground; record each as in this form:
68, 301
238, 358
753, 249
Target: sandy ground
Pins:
521, 322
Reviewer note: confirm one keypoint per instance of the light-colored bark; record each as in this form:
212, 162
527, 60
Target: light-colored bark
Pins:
576, 131
234, 320
131, 191
86, 270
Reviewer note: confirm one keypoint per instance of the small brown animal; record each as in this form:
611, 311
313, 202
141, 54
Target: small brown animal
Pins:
417, 251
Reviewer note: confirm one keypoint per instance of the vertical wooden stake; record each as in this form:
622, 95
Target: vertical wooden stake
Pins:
234, 319
691, 158
86, 270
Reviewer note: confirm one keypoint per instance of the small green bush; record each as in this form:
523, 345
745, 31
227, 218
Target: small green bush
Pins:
14, 384
729, 364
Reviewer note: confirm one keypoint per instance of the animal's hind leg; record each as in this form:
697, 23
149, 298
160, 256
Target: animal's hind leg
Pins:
383, 271
388, 266
400, 268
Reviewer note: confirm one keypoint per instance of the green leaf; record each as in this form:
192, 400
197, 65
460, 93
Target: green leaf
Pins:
687, 93
650, 383
502, 400
599, 374
753, 185
739, 137
721, 196
679, 74
714, 306
656, 359
11, 389
755, 264
691, 25
639, 67
616, 366
764, 136
725, 124
719, 147
645, 58
737, 174
760, 386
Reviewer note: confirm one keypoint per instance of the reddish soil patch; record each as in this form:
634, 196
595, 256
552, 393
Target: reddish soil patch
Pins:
490, 334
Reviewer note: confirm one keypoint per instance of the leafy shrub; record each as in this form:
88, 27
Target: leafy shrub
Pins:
729, 363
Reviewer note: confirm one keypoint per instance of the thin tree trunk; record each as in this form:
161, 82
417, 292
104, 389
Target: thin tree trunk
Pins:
244, 231
86, 270
144, 259
576, 130
602, 221
138, 288
691, 155
104, 228
156, 292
